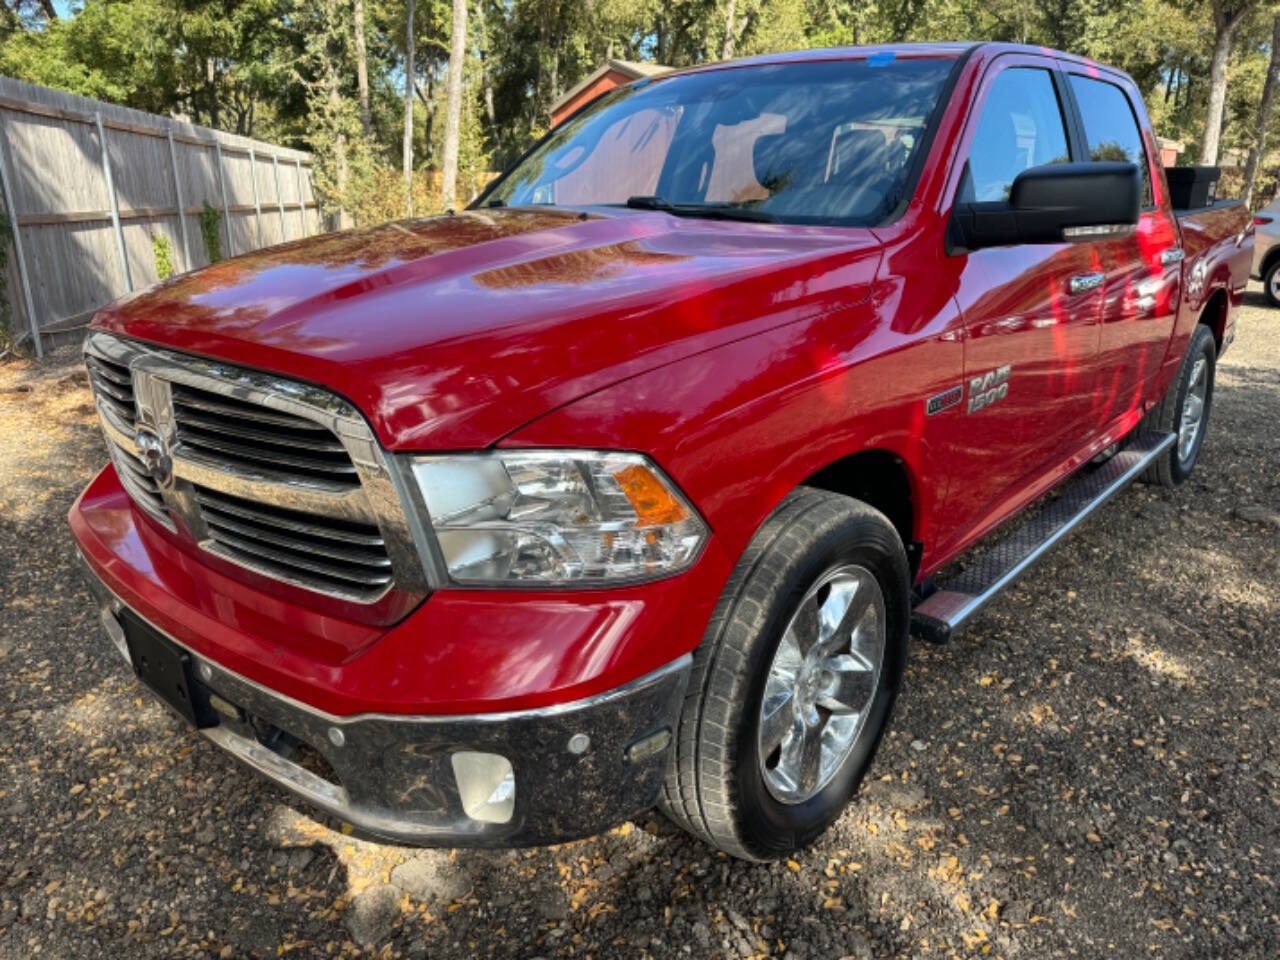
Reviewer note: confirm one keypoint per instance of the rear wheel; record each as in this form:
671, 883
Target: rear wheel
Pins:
795, 679
1271, 283
1185, 411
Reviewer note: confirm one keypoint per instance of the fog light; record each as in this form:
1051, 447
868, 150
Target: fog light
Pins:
486, 784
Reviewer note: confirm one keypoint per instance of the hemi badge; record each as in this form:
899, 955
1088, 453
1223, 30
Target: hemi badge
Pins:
943, 401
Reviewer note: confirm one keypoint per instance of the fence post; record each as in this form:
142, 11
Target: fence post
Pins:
32, 323
222, 186
111, 195
302, 200
182, 207
257, 207
275, 168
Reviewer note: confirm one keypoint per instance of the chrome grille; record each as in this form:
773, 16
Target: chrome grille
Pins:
113, 388
279, 477
139, 483
242, 435
349, 556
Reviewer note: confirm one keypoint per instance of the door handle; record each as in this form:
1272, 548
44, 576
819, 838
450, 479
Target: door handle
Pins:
1171, 256
1084, 282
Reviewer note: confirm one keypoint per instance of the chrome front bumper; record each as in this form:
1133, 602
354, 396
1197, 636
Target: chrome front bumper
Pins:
505, 779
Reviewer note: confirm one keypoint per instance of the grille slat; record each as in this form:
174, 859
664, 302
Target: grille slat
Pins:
116, 372
113, 388
296, 546
239, 434
352, 534
184, 396
289, 563
212, 424
222, 525
273, 458
138, 483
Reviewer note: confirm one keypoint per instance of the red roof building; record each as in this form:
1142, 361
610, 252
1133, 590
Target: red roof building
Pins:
613, 73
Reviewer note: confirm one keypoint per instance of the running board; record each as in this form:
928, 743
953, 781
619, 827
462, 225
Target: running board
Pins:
943, 613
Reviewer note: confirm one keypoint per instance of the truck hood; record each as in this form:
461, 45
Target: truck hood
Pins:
451, 332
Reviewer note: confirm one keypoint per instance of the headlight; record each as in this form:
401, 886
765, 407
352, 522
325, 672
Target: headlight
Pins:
557, 517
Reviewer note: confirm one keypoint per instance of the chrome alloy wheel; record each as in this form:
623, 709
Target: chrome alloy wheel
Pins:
1273, 281
1193, 410
822, 683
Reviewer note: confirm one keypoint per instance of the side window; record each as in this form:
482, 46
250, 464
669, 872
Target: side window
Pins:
1110, 126
1020, 127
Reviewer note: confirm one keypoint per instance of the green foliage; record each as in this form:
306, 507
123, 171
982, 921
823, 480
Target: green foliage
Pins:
162, 250
210, 221
285, 70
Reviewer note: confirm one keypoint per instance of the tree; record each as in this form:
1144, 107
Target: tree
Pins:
453, 106
362, 66
486, 80
1265, 105
730, 30
1227, 17
408, 112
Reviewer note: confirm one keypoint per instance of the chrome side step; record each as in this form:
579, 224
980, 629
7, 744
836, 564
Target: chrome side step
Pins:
943, 613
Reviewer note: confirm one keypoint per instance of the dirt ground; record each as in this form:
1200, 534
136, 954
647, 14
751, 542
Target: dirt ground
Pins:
1092, 770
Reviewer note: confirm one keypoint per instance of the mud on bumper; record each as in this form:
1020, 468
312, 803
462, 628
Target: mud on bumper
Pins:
507, 779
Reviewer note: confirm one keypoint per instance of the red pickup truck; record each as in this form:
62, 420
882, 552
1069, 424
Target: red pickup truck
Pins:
626, 485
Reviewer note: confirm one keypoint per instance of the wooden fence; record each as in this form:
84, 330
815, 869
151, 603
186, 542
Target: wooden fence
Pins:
88, 185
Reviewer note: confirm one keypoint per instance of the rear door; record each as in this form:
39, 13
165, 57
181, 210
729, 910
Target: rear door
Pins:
1142, 269
1031, 311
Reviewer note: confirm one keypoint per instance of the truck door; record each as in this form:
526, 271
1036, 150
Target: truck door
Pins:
1031, 311
1143, 273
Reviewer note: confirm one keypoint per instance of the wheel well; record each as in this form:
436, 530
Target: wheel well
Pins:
878, 478
1214, 316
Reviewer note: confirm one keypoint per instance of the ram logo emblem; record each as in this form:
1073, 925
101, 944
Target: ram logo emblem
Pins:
989, 388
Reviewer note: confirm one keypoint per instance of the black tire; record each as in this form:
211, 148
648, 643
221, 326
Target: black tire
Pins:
714, 787
1271, 282
1173, 468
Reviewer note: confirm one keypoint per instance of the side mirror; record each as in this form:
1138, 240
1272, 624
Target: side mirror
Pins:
1051, 204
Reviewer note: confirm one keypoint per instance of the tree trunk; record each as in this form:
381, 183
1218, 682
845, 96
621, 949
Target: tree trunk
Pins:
485, 80
408, 113
362, 68
729, 17
429, 127
1225, 23
1264, 114
50, 13
339, 152
332, 84
211, 77
453, 106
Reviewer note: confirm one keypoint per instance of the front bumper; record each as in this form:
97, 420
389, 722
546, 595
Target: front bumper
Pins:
575, 769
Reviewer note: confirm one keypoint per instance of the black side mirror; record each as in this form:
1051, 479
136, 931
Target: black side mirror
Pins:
1051, 204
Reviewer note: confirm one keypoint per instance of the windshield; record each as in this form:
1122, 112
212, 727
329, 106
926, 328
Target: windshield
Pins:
822, 142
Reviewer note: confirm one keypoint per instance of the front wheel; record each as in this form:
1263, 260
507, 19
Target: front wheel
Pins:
795, 680
1185, 410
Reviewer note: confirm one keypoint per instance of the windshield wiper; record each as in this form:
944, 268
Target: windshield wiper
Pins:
711, 211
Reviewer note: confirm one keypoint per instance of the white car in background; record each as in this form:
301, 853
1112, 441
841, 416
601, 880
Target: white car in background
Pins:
1266, 250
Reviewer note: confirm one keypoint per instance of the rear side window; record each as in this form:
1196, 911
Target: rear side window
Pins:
1110, 127
1020, 127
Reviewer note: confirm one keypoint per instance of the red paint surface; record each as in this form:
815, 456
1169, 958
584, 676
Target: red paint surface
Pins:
742, 357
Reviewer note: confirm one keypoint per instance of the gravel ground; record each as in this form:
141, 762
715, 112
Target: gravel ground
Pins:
1092, 770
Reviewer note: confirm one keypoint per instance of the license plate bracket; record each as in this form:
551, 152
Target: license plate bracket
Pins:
167, 670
